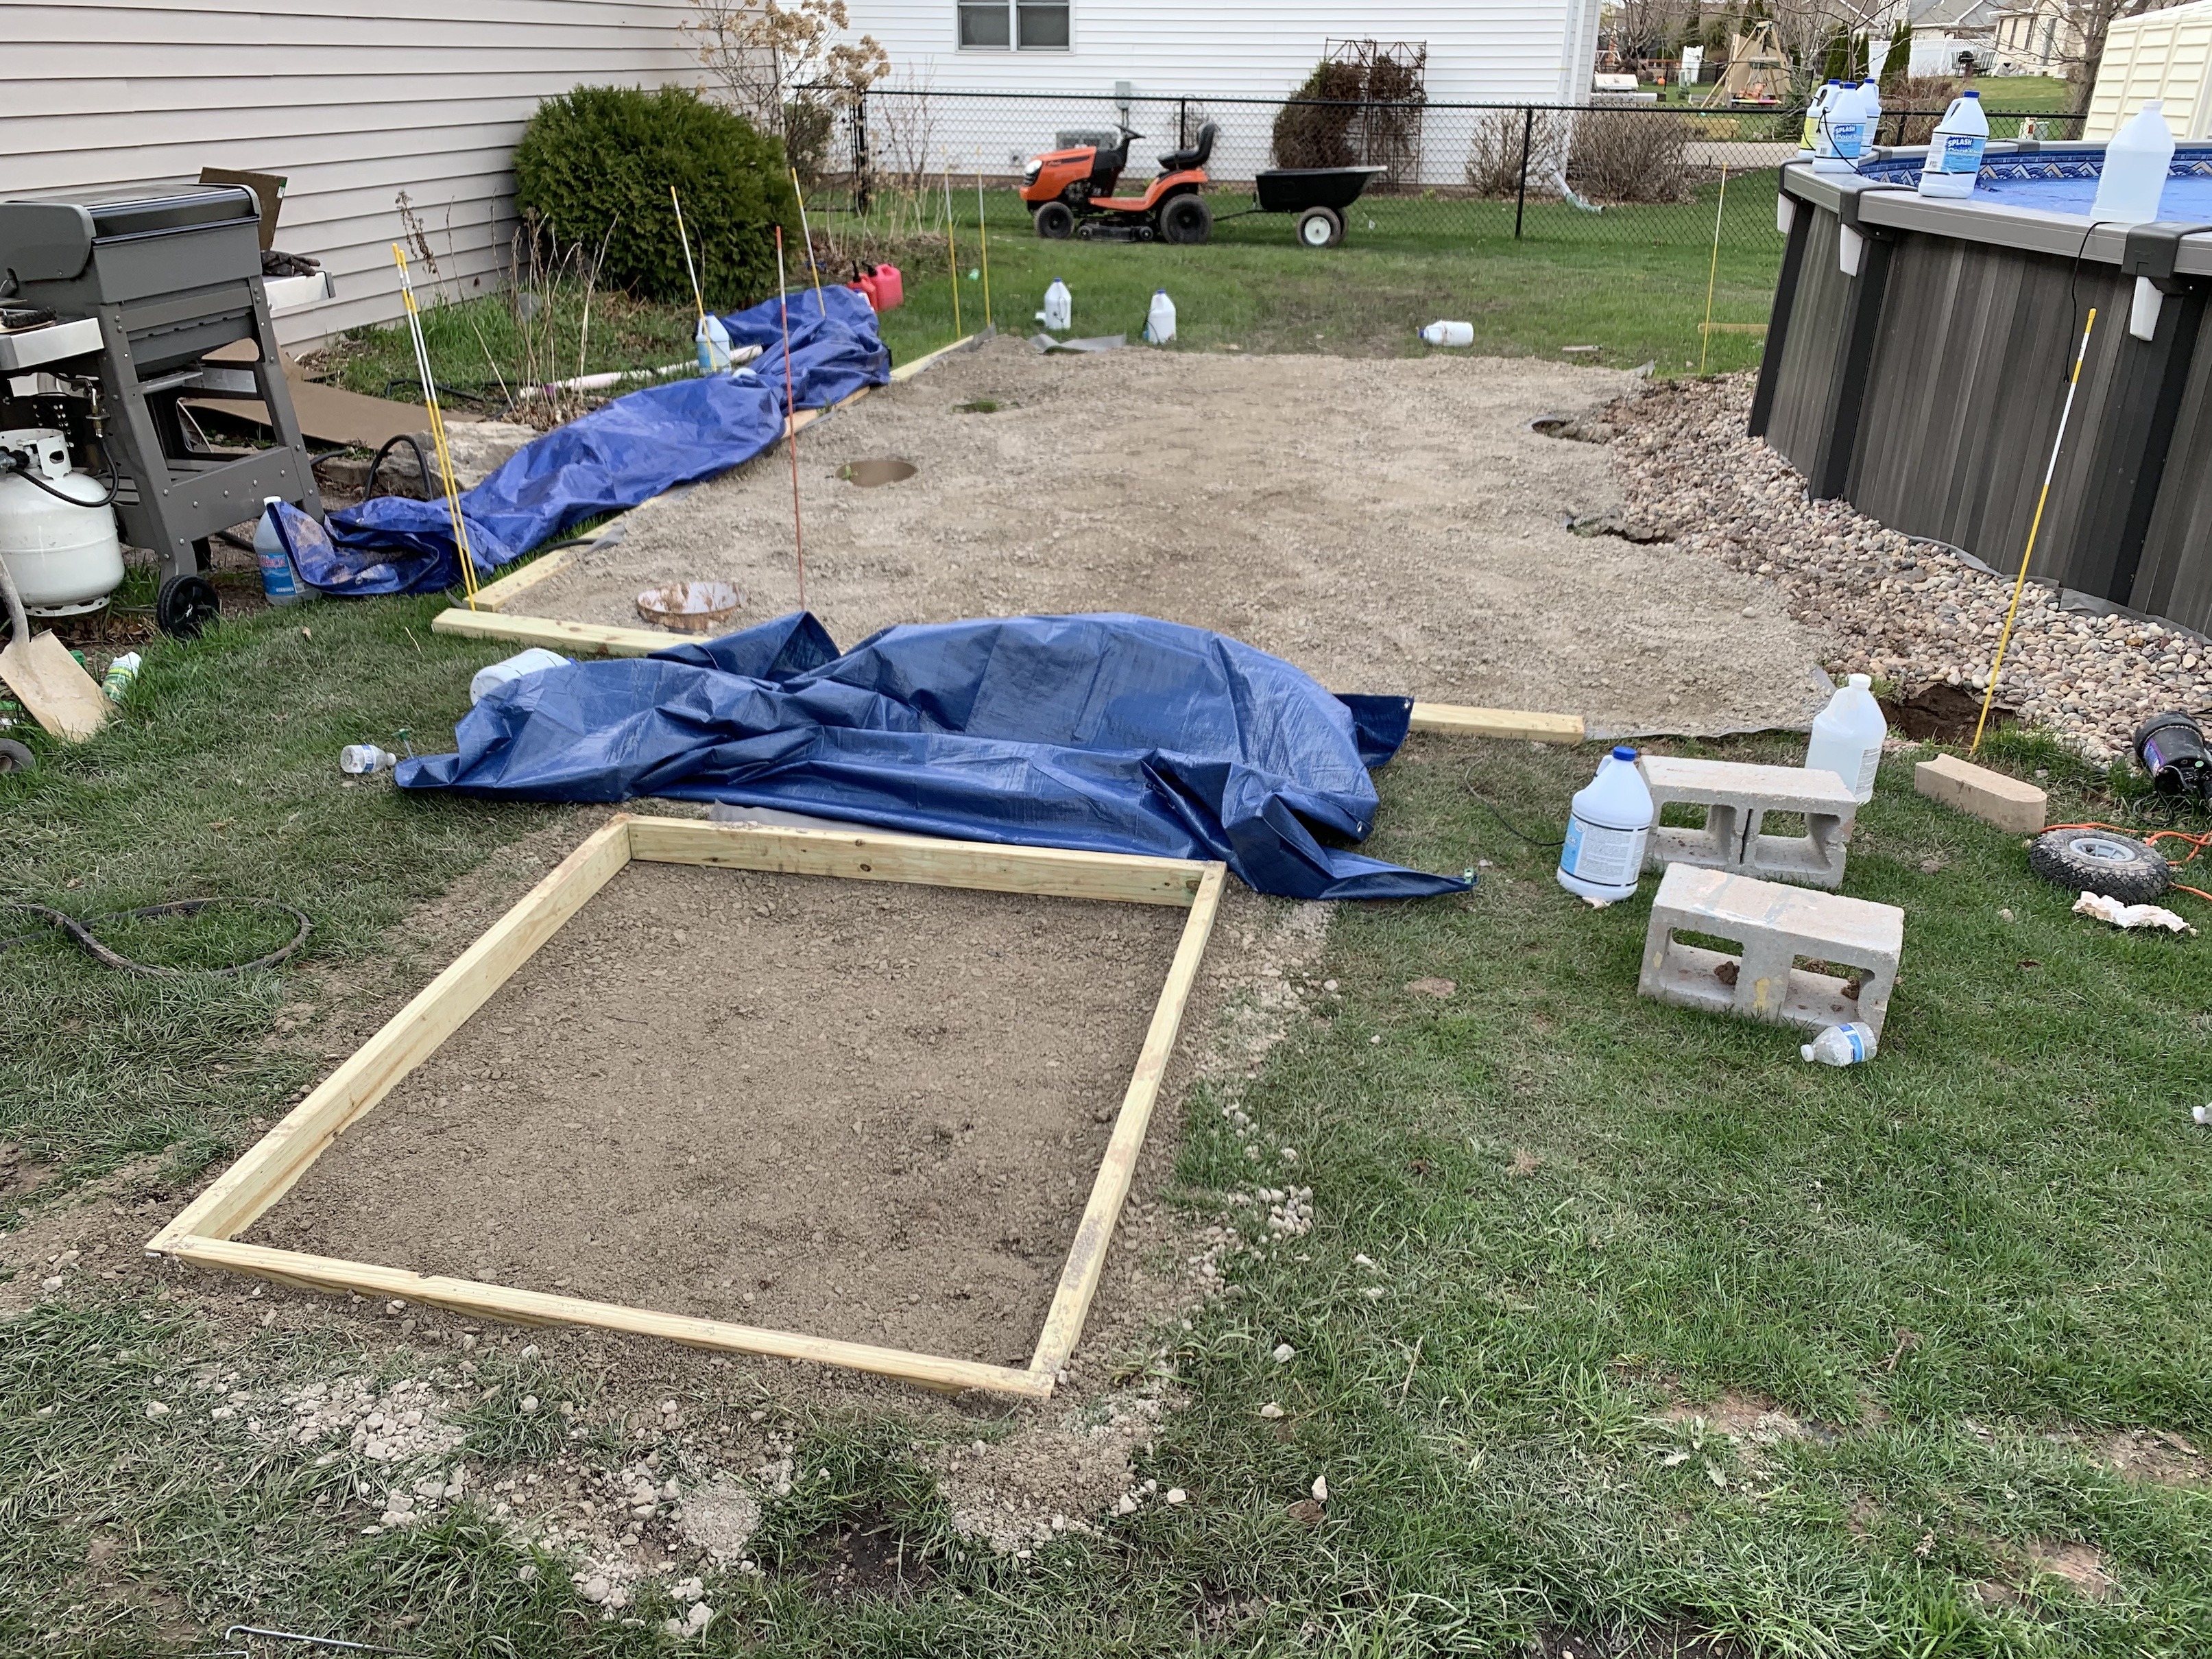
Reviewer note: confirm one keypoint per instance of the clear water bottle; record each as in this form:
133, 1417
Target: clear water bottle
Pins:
359, 760
1840, 1045
1847, 736
1059, 313
280, 583
1160, 321
1603, 853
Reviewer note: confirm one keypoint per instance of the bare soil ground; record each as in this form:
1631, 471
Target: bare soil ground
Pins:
849, 1109
1389, 525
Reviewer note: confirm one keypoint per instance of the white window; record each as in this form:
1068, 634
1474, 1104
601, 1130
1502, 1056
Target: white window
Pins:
1022, 25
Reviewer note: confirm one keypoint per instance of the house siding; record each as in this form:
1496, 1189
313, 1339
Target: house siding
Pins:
352, 106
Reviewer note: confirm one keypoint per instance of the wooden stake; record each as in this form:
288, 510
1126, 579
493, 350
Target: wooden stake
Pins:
791, 416
437, 428
1712, 274
951, 250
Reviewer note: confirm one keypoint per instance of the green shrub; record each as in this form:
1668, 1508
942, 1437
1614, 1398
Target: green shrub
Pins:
596, 165
1318, 134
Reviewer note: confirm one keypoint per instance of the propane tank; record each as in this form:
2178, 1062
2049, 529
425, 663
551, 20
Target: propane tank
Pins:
63, 554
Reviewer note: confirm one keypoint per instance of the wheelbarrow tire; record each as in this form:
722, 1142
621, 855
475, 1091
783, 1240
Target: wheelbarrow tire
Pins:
2096, 861
15, 756
1320, 226
1186, 220
1055, 222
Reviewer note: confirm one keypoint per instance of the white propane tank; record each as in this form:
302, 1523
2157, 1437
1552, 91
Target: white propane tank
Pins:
64, 554
1847, 738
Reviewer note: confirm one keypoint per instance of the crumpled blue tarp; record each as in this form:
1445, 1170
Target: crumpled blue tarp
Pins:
1108, 734
623, 452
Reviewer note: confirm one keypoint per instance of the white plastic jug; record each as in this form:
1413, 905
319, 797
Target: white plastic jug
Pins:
714, 346
1842, 133
1847, 738
535, 660
1160, 321
1810, 134
1954, 165
1869, 114
1059, 311
2136, 164
1449, 334
279, 584
1603, 853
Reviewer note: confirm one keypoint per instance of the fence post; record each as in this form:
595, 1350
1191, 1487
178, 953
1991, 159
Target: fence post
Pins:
1521, 197
1182, 123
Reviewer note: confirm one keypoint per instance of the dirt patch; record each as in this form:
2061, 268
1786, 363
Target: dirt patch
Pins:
1749, 1419
1388, 526
2155, 1455
1671, 1641
2081, 1565
865, 1556
866, 1111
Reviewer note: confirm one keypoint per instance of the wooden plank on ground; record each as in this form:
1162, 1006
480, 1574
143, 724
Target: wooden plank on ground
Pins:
1469, 723
907, 371
1086, 1257
502, 1301
926, 861
50, 683
585, 639
498, 595
246, 1190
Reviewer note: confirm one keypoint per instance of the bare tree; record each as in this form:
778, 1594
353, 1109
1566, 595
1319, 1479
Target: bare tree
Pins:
1805, 29
1647, 29
768, 56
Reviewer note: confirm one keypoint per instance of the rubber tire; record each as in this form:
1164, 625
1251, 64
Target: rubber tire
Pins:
1330, 221
1185, 221
2129, 870
185, 605
1054, 222
14, 757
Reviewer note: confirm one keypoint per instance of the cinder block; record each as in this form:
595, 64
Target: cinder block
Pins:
1771, 925
1737, 799
1981, 793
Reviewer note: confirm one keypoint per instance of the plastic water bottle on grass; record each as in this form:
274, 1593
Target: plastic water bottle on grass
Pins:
1603, 853
359, 760
1840, 1045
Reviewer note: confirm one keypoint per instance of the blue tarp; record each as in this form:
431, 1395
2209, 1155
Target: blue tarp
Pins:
1108, 733
623, 453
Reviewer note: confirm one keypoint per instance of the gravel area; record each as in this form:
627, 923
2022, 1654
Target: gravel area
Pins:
1909, 611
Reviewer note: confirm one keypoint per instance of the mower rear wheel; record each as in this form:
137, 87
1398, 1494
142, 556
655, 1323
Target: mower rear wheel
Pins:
1321, 227
1186, 220
2098, 862
1055, 222
15, 756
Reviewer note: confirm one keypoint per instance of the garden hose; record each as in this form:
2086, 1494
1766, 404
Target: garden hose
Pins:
80, 932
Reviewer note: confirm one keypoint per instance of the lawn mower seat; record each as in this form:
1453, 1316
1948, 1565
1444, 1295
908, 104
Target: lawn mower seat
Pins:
1178, 160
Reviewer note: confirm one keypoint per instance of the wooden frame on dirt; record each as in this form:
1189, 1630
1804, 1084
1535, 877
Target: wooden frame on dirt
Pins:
206, 1230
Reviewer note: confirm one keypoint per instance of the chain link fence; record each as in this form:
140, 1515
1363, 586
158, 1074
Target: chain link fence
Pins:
1625, 173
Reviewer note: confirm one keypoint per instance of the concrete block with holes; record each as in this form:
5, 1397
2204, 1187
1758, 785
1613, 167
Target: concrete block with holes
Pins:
1737, 800
1774, 928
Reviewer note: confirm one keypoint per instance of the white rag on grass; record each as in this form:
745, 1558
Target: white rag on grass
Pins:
2129, 916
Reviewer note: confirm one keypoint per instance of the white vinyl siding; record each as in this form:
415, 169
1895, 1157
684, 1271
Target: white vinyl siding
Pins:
352, 105
2160, 54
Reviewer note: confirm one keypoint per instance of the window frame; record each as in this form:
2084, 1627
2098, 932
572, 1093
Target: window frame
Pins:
1012, 11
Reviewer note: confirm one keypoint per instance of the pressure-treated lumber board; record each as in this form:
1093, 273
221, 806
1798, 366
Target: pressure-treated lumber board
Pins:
1094, 1234
498, 595
908, 371
1468, 722
922, 859
588, 639
246, 1190
465, 1296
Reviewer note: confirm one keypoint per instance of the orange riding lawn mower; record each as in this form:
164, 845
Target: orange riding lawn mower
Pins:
1071, 193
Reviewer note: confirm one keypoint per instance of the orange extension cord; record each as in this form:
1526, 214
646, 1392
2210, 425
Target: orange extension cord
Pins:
2197, 844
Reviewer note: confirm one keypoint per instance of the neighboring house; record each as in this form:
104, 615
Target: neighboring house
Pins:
1211, 51
353, 105
1946, 34
2038, 38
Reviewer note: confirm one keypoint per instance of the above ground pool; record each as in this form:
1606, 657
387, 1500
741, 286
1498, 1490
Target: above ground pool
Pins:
1918, 350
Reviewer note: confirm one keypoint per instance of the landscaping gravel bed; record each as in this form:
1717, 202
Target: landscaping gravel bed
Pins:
1911, 612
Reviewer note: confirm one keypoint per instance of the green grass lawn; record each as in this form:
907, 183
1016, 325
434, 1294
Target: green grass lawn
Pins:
1601, 1230
1630, 280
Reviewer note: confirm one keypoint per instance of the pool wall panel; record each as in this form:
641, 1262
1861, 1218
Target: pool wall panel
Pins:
2175, 579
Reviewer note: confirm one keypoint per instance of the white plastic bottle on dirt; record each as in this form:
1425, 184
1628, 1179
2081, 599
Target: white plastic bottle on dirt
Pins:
279, 581
1059, 313
2137, 162
1954, 165
1847, 738
1160, 321
358, 760
1449, 334
1840, 1045
1809, 138
535, 660
1842, 134
714, 346
1603, 853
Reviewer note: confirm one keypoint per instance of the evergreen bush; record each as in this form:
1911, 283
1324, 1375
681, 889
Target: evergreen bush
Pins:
594, 168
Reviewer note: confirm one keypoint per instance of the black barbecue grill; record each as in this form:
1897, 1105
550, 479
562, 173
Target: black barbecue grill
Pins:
170, 274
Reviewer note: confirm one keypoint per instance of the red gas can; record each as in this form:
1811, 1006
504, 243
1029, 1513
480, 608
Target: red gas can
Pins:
883, 286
